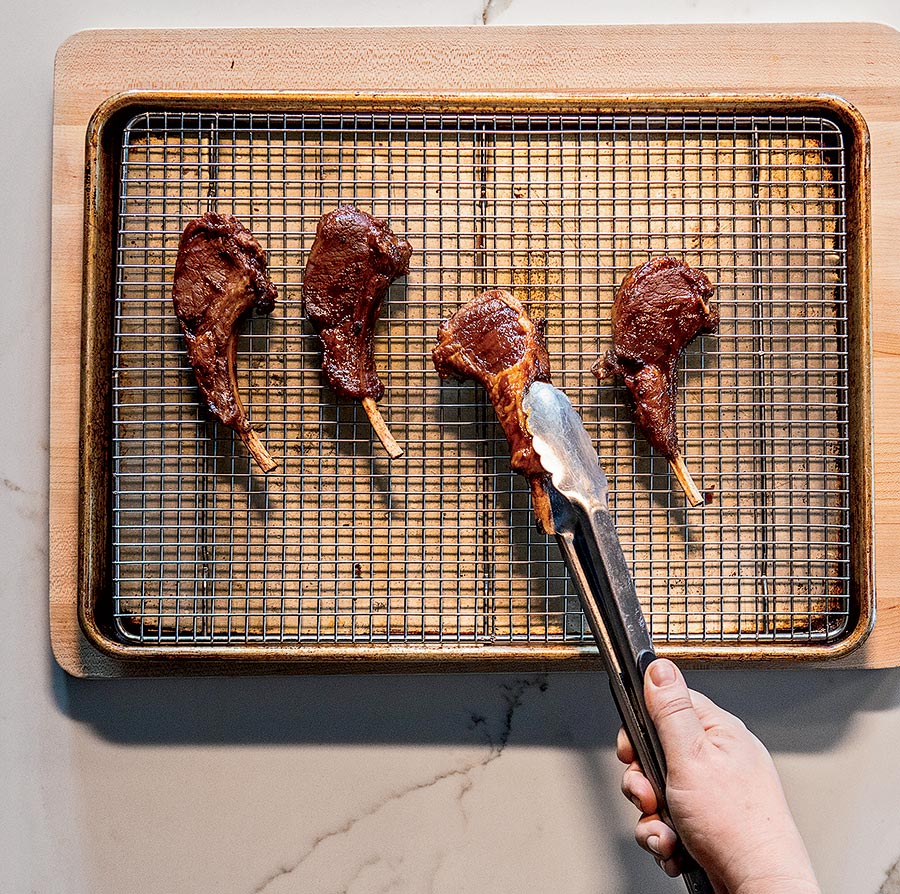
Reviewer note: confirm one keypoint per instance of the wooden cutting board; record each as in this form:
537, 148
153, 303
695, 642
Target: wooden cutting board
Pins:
860, 63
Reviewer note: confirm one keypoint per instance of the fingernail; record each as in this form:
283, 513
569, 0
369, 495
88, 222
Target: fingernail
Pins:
662, 673
653, 844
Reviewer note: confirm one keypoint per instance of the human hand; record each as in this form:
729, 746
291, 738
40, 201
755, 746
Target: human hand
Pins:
723, 795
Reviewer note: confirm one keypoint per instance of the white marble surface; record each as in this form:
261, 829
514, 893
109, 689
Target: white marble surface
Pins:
368, 784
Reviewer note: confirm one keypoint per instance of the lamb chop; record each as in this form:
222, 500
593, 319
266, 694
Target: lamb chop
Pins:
659, 309
220, 276
354, 259
492, 340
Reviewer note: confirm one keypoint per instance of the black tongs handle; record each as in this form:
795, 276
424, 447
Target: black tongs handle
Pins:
595, 560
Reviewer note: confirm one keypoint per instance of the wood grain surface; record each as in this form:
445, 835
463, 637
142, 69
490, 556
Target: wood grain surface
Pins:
860, 63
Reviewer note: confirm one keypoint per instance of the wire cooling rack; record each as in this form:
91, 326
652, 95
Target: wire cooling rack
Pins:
341, 545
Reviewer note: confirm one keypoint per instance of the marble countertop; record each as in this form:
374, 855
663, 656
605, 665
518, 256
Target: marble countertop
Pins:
498, 783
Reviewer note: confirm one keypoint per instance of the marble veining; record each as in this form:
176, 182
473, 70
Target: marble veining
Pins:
892, 882
462, 779
492, 9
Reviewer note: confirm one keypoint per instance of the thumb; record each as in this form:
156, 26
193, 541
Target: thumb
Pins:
672, 711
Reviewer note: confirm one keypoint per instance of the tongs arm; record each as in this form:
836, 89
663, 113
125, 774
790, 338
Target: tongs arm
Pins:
590, 547
593, 555
595, 561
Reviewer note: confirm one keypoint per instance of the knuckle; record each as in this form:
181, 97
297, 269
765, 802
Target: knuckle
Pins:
694, 749
632, 782
738, 723
624, 751
673, 707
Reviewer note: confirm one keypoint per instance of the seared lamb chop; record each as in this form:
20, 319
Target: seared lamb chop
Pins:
354, 259
220, 276
492, 340
660, 308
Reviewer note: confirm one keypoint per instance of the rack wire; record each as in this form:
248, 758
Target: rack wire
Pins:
340, 544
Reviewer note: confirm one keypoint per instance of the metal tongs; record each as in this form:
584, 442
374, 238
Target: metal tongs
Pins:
592, 553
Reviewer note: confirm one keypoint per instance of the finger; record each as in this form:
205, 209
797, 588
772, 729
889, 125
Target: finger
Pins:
636, 787
624, 748
672, 710
671, 867
655, 837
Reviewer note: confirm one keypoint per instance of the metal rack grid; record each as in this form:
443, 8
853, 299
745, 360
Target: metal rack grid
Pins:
339, 544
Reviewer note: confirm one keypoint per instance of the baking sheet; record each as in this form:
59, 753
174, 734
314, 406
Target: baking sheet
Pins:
440, 547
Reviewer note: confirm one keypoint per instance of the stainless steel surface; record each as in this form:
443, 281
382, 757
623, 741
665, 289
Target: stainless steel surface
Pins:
566, 450
596, 564
341, 545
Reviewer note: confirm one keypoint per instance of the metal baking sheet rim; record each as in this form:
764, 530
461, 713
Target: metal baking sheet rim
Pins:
100, 210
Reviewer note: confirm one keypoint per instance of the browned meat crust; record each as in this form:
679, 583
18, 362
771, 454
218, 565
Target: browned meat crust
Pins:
660, 308
492, 340
220, 276
354, 259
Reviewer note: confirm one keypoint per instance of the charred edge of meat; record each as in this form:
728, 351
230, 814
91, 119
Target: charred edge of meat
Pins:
492, 340
353, 261
244, 249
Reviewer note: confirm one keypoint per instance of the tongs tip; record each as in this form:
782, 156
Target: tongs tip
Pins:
563, 445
